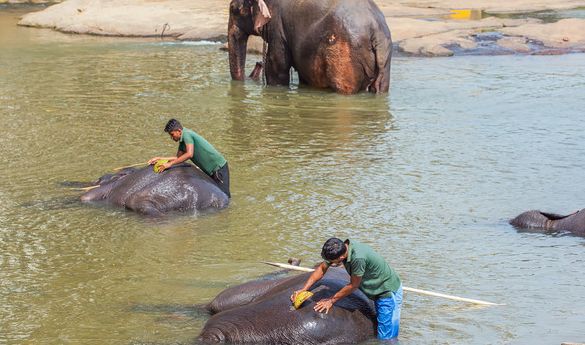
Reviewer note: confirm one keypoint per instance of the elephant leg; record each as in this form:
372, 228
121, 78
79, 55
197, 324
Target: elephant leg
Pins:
146, 208
278, 64
382, 48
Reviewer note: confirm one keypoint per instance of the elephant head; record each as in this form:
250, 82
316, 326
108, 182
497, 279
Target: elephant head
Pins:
247, 17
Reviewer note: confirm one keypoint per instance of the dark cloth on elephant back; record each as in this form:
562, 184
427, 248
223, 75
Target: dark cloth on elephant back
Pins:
180, 188
261, 312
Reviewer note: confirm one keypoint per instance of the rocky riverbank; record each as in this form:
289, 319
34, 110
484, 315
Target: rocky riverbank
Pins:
29, 1
424, 28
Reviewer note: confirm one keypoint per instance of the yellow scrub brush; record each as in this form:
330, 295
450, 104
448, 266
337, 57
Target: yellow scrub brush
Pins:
158, 164
301, 297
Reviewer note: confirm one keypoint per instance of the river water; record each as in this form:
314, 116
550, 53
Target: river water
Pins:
428, 176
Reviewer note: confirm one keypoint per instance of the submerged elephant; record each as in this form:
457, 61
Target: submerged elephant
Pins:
344, 45
179, 188
260, 311
574, 222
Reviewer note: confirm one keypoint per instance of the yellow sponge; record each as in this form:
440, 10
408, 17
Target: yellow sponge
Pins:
301, 297
158, 164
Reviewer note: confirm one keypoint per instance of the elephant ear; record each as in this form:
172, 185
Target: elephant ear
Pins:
262, 16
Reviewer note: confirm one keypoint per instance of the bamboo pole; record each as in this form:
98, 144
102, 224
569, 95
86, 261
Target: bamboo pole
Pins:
422, 292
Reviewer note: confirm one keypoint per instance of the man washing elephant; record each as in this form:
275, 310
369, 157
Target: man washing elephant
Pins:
194, 147
370, 273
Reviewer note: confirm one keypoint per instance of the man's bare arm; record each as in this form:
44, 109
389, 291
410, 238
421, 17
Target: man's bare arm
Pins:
313, 278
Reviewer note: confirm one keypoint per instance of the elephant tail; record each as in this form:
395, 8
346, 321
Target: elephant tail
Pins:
381, 41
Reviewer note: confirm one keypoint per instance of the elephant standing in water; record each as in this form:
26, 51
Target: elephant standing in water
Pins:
344, 45
179, 188
574, 222
261, 312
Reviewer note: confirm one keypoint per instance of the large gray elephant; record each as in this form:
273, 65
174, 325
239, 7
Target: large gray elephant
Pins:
260, 311
344, 45
574, 222
179, 188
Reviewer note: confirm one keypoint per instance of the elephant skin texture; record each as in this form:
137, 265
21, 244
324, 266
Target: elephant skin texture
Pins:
181, 188
343, 45
574, 222
260, 311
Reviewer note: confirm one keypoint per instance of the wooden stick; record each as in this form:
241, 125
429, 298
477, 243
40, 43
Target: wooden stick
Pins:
423, 292
129, 166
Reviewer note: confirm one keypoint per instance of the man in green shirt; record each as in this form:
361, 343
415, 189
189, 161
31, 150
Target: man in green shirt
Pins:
370, 273
194, 147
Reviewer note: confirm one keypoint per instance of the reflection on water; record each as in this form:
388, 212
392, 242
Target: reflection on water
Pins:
547, 16
428, 176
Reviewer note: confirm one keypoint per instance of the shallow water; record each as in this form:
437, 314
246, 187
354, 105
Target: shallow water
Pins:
428, 176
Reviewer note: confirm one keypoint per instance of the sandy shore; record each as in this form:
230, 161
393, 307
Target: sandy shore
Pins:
422, 28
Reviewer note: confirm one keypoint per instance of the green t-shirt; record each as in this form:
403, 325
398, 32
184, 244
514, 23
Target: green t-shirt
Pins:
205, 156
378, 278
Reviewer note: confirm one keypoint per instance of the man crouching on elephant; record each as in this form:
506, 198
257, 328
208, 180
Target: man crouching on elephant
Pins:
194, 147
370, 273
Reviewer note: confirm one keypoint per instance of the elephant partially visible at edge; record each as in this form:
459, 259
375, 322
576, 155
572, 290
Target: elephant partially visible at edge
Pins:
260, 311
344, 45
181, 188
574, 222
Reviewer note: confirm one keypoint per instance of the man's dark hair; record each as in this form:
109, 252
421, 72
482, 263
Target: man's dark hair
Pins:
173, 125
333, 249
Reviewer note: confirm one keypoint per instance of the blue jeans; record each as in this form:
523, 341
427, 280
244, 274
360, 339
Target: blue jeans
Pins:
388, 311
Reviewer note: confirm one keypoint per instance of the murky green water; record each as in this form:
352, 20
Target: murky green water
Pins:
428, 176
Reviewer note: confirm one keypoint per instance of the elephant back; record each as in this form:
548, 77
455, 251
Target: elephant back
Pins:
574, 223
248, 292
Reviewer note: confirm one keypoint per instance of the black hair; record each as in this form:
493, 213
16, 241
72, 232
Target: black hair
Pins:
173, 125
333, 249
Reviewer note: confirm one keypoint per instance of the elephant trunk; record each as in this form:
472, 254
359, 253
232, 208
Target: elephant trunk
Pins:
238, 42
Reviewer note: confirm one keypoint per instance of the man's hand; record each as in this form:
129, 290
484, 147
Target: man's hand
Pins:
324, 305
294, 295
164, 167
153, 160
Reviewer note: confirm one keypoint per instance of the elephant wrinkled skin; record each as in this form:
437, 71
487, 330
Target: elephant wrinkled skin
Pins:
344, 45
260, 311
574, 222
180, 188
